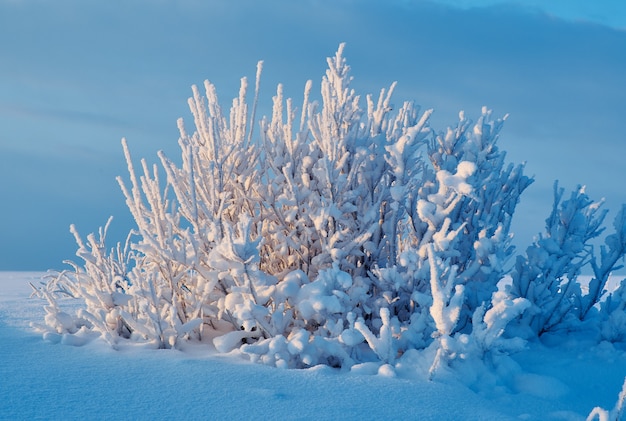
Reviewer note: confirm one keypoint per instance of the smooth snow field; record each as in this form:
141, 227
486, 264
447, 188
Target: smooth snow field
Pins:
40, 380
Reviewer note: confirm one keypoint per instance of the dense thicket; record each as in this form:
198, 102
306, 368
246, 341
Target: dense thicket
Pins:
338, 232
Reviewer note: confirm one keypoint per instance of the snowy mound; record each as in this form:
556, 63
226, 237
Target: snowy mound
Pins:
43, 380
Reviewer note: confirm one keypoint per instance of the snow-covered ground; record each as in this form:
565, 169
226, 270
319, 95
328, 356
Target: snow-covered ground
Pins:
40, 380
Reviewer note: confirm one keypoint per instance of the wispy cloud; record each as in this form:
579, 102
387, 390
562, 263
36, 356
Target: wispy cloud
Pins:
66, 115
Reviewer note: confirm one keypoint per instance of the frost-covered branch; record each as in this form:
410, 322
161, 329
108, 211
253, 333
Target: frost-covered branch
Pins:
547, 274
610, 254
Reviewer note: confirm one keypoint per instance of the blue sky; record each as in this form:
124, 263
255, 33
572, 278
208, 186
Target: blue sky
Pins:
76, 77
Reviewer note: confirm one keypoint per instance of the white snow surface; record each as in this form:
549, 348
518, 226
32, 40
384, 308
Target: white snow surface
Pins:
40, 380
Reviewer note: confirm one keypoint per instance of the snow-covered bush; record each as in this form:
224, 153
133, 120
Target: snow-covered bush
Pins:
613, 310
548, 274
616, 243
329, 234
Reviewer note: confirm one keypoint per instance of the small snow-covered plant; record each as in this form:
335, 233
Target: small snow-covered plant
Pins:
102, 284
547, 274
489, 325
613, 310
610, 253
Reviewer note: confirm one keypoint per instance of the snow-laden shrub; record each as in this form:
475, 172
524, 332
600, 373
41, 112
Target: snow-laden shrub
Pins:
102, 284
610, 254
327, 234
548, 274
613, 310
